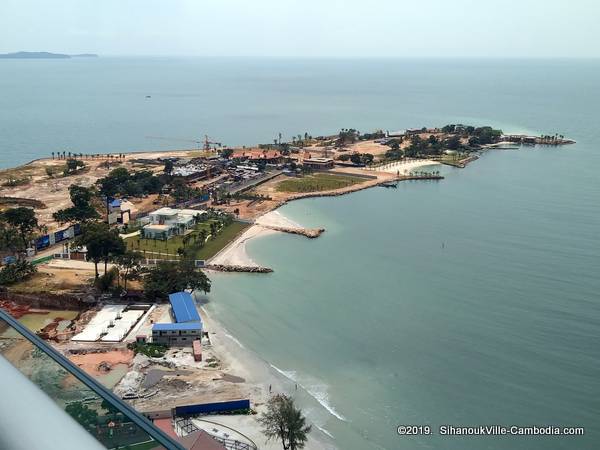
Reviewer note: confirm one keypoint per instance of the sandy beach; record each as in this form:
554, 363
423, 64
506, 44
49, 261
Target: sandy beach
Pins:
259, 376
405, 167
235, 253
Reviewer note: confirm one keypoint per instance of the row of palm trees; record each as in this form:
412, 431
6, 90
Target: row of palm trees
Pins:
68, 155
435, 173
548, 139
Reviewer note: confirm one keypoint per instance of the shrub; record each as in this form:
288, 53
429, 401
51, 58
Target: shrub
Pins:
105, 282
151, 350
18, 271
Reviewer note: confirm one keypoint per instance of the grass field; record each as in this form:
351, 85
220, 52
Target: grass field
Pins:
153, 248
318, 182
225, 236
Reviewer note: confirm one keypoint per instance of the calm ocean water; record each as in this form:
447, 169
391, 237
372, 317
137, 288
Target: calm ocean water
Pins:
470, 301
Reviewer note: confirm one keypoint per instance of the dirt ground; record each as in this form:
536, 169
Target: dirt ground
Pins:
177, 380
54, 191
96, 364
57, 281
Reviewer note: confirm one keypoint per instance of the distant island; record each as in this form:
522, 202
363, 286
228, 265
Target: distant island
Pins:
44, 55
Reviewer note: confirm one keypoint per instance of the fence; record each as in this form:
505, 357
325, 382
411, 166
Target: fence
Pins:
185, 426
35, 262
212, 408
53, 238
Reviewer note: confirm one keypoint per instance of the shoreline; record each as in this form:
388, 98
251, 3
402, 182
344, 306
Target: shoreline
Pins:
235, 254
259, 374
130, 152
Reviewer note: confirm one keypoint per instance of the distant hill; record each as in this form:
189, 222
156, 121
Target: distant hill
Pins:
44, 55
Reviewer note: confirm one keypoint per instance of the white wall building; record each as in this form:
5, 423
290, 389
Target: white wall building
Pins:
167, 222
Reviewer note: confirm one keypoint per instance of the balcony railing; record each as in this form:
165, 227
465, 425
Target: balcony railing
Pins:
109, 420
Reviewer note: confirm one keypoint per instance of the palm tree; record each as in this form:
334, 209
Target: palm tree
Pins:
283, 421
202, 237
52, 155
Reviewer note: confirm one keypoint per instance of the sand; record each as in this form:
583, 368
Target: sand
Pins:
405, 167
276, 219
241, 362
234, 254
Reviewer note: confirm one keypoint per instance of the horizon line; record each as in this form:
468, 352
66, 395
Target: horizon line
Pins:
354, 57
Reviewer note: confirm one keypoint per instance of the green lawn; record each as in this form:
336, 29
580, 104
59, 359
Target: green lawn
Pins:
318, 182
153, 248
225, 236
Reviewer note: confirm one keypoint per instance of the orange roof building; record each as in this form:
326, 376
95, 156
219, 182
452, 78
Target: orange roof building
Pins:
258, 155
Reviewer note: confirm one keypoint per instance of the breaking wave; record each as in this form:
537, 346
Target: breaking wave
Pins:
316, 391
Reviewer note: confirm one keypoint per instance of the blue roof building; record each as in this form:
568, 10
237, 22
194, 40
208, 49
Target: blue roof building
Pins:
188, 323
189, 326
184, 308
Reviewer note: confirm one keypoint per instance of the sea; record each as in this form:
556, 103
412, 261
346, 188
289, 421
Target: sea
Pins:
466, 302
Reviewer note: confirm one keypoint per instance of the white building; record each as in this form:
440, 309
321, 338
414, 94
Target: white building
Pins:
120, 211
167, 222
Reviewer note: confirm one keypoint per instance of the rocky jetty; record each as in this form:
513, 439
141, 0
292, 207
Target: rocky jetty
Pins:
308, 232
232, 268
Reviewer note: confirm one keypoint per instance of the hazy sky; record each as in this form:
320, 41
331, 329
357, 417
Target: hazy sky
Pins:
305, 28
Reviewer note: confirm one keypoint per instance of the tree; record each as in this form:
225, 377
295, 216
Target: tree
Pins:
17, 271
83, 414
72, 166
110, 184
129, 263
394, 152
82, 210
9, 240
181, 190
202, 237
226, 153
169, 166
120, 181
103, 244
355, 158
473, 141
24, 220
453, 143
283, 421
168, 277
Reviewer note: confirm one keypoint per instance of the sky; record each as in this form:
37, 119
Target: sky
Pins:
304, 28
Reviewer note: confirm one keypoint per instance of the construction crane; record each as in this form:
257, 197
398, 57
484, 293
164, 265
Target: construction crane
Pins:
208, 143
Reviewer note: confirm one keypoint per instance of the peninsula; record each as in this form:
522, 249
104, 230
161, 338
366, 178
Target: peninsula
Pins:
98, 251
44, 55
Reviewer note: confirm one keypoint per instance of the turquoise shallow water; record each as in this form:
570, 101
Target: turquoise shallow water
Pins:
469, 301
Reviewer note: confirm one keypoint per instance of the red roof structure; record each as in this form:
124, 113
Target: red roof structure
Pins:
257, 154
